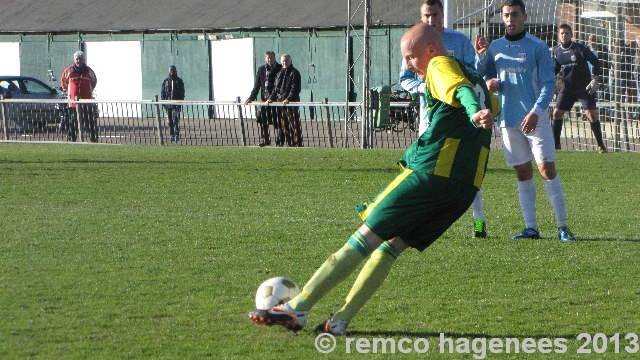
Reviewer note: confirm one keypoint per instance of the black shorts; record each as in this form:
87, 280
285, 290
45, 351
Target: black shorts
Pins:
566, 99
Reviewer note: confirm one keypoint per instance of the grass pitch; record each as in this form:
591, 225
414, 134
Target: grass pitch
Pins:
113, 252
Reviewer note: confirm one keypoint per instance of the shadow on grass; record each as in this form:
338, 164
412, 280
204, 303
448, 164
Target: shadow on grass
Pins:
579, 239
97, 161
601, 238
236, 165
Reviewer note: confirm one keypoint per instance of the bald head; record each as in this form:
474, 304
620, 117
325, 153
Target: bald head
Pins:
419, 45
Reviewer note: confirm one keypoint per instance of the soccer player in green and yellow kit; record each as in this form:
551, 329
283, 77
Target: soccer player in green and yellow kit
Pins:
441, 173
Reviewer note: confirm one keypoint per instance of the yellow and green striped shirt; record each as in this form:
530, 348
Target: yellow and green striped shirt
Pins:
452, 146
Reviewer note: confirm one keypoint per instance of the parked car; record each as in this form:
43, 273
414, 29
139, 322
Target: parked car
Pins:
30, 116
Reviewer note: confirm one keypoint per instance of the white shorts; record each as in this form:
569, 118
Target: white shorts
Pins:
520, 148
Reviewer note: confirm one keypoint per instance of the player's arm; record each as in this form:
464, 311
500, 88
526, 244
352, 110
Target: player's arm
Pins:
467, 96
475, 56
489, 67
547, 79
490, 73
556, 64
444, 78
447, 83
410, 81
593, 60
257, 83
64, 80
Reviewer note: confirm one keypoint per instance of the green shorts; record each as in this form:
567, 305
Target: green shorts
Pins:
417, 207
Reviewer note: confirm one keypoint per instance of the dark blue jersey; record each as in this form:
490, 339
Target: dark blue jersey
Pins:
572, 65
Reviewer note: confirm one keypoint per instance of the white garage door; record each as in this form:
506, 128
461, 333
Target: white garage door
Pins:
231, 72
118, 67
10, 58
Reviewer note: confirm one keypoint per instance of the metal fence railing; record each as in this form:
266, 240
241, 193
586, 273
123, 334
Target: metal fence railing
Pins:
201, 123
234, 124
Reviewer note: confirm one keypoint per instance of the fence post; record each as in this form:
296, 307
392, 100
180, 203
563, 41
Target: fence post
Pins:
4, 119
79, 120
326, 109
158, 121
244, 138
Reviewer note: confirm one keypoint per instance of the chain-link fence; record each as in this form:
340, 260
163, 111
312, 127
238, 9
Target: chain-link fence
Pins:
616, 26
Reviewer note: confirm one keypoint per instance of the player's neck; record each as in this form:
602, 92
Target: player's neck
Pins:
515, 37
566, 45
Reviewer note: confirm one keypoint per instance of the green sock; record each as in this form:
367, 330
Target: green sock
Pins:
334, 270
373, 274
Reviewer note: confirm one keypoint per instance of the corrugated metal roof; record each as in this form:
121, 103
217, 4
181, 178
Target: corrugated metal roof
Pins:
129, 15
70, 16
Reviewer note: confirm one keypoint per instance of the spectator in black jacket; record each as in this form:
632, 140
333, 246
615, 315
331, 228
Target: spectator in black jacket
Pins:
287, 89
173, 89
265, 78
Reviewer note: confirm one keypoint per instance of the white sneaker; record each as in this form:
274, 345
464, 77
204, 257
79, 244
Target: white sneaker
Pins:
332, 326
282, 315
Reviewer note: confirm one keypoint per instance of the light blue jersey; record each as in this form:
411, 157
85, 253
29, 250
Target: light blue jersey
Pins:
458, 45
527, 80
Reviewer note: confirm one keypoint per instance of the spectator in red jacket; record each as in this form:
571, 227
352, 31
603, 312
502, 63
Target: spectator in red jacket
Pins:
78, 80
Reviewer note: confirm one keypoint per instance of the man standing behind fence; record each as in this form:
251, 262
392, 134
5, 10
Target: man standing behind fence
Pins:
287, 89
173, 89
78, 80
265, 79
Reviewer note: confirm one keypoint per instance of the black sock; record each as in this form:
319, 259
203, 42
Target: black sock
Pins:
557, 130
597, 132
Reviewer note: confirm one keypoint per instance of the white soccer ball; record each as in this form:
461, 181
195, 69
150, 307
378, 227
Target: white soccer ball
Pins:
275, 291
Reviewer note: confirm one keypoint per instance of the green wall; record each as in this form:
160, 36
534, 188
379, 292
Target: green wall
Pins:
41, 53
190, 55
327, 50
319, 55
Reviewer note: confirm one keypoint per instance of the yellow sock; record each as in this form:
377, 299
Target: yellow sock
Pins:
334, 270
373, 274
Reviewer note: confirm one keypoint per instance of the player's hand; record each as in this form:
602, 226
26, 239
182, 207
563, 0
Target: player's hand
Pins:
247, 101
483, 119
493, 85
593, 86
285, 102
268, 102
481, 45
529, 123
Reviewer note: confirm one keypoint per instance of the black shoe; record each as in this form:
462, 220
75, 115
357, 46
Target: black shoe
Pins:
264, 143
